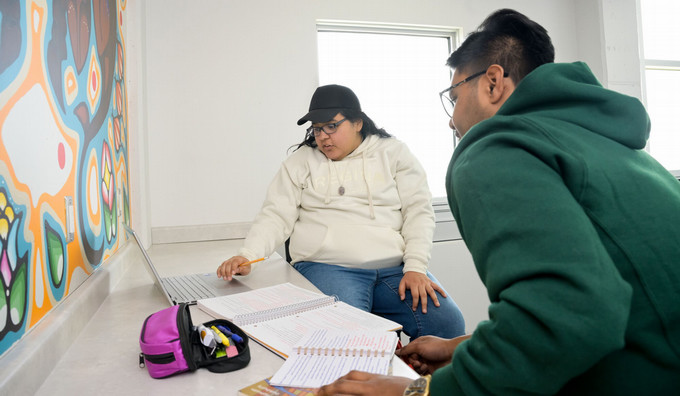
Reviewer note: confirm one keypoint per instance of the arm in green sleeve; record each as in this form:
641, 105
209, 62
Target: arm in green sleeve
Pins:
558, 303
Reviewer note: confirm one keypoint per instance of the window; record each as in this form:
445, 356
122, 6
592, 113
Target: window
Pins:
396, 72
661, 34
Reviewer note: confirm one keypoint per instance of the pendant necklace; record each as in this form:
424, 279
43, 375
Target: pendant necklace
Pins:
341, 189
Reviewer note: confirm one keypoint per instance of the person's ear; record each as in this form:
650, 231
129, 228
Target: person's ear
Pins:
358, 125
495, 83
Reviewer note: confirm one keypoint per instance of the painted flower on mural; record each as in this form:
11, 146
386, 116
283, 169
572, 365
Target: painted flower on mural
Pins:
116, 133
108, 193
13, 300
55, 255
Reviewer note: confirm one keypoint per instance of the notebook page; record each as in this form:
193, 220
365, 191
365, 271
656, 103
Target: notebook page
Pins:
343, 342
256, 300
281, 334
323, 356
313, 371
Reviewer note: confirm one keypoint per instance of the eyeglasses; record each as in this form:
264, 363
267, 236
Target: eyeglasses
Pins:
328, 128
449, 103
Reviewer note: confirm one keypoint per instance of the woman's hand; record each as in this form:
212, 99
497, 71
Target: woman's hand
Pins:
231, 267
421, 286
428, 353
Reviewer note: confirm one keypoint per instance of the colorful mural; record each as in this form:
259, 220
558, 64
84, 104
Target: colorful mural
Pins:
63, 134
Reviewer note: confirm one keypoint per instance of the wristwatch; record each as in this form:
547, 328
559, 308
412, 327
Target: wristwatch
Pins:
419, 387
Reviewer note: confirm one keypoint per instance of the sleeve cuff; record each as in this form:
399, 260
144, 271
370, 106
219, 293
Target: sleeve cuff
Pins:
247, 254
415, 266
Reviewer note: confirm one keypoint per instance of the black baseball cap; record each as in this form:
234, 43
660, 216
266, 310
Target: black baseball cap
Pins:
327, 101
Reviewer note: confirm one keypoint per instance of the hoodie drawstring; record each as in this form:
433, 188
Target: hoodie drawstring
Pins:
368, 187
328, 190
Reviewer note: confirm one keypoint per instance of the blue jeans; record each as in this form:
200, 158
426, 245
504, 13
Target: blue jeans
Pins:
377, 291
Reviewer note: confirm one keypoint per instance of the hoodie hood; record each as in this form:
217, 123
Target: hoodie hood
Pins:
369, 143
570, 92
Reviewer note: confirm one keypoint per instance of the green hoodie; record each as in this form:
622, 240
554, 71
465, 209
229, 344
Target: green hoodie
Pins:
575, 232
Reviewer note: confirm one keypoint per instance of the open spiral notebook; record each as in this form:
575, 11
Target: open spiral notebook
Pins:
277, 317
323, 356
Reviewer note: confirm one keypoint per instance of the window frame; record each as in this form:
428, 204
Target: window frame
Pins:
660, 64
451, 34
652, 64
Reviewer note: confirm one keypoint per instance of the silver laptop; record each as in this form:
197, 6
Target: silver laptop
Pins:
187, 288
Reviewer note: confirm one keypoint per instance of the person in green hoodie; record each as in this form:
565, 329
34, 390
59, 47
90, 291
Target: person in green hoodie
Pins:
573, 227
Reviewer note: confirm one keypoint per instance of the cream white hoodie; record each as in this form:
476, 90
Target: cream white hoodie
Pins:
384, 218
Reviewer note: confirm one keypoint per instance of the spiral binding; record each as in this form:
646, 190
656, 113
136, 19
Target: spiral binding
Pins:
280, 312
354, 352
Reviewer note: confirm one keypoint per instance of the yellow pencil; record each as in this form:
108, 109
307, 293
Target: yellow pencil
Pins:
250, 262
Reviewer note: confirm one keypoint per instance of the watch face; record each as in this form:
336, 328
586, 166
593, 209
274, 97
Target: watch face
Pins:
416, 387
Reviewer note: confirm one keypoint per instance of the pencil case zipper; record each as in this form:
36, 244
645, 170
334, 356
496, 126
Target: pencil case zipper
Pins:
163, 358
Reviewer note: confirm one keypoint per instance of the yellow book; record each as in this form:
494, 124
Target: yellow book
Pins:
263, 388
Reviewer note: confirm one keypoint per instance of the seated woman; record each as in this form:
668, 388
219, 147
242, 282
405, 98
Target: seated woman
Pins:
356, 206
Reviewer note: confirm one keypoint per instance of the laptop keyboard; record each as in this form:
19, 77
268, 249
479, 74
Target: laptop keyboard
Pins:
189, 287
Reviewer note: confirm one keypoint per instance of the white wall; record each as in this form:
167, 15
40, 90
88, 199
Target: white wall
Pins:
215, 89
222, 83
455, 270
137, 126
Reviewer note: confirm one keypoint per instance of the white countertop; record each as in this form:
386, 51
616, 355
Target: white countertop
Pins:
104, 358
